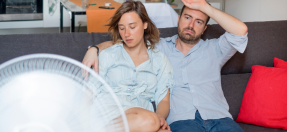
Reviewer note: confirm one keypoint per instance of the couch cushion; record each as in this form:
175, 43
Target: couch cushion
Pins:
278, 63
264, 101
233, 86
254, 128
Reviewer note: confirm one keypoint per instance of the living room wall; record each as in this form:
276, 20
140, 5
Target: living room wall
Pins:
245, 10
254, 10
257, 10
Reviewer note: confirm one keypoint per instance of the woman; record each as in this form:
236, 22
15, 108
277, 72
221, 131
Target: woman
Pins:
137, 72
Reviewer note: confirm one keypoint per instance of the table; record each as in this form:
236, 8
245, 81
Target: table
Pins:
73, 10
162, 14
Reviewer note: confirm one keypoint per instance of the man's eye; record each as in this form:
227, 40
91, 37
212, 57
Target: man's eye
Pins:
132, 27
187, 17
121, 28
199, 22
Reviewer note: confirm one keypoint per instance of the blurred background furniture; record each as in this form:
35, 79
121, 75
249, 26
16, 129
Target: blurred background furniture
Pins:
162, 14
73, 10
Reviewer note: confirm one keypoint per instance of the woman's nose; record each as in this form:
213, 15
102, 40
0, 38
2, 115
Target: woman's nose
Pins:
127, 33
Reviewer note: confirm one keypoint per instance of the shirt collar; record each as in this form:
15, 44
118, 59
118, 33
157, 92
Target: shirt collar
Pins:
148, 44
120, 43
194, 48
148, 50
173, 39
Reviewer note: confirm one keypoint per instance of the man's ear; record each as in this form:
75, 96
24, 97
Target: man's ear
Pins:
204, 29
145, 25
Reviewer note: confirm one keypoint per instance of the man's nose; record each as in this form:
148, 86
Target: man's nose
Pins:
191, 24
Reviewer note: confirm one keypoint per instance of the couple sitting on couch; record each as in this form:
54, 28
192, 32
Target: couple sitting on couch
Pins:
142, 67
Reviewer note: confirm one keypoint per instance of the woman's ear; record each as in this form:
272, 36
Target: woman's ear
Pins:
145, 25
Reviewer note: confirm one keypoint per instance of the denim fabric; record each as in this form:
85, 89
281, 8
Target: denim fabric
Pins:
200, 125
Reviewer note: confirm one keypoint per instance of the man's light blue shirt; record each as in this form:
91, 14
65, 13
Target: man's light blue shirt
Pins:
197, 76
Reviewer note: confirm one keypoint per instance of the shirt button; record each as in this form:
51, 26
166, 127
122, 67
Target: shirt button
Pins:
134, 70
194, 104
182, 70
129, 89
134, 81
192, 90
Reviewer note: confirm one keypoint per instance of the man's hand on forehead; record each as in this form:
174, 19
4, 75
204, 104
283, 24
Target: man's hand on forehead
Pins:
195, 4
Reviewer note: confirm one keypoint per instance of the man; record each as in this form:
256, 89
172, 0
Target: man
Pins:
197, 100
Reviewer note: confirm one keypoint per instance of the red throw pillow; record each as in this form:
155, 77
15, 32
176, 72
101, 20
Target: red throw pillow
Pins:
265, 98
278, 63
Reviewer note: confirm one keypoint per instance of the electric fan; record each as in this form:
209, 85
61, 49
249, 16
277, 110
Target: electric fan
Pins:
53, 93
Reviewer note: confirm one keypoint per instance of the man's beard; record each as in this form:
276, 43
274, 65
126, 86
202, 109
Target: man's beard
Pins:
188, 38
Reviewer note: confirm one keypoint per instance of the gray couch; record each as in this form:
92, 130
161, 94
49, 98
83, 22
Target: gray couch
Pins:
266, 41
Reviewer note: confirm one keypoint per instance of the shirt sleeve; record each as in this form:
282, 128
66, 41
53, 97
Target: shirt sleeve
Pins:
229, 44
103, 63
164, 80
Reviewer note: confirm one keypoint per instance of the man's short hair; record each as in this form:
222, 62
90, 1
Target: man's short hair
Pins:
185, 6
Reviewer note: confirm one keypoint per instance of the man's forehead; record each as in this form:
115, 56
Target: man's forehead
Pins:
194, 13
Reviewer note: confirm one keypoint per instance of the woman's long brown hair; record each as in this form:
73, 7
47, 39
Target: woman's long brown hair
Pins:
151, 33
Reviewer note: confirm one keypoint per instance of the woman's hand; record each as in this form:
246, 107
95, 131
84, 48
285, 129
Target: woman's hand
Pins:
91, 59
163, 124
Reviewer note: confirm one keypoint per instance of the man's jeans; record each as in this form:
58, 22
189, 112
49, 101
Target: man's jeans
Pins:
200, 125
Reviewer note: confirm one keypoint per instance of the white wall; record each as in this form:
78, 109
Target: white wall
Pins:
257, 10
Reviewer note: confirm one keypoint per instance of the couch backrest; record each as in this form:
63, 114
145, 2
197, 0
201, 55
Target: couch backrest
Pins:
266, 40
73, 45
